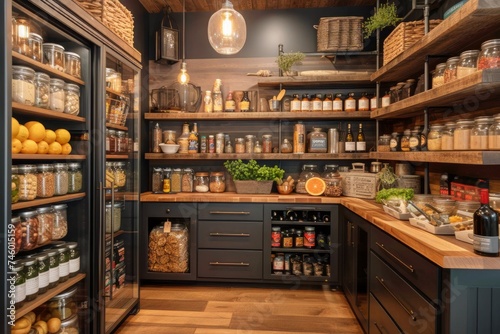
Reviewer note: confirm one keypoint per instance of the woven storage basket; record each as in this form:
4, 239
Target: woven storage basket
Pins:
340, 34
404, 36
113, 15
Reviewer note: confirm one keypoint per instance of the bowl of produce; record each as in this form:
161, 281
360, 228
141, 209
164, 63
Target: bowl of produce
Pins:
169, 148
286, 186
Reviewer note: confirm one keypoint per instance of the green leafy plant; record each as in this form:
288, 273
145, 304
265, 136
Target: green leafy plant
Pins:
285, 61
251, 170
385, 16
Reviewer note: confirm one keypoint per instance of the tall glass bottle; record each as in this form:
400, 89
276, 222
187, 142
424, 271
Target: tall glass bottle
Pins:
208, 103
230, 104
360, 140
350, 145
485, 240
245, 102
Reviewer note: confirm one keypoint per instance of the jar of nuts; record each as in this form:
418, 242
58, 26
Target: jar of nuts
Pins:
46, 224
61, 179
27, 182
29, 228
60, 228
42, 90
45, 181
333, 187
16, 233
217, 182
71, 99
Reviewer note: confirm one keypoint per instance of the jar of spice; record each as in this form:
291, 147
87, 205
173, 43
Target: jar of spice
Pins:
53, 267
157, 181
57, 96
166, 185
338, 103
75, 177
384, 142
187, 180
405, 141
414, 140
450, 72
53, 55
298, 240
479, 133
317, 103
20, 283
462, 134
447, 136
27, 182
395, 142
305, 103
434, 138
46, 219
42, 90
438, 75
23, 85
467, 63
494, 134
45, 181
257, 148
31, 275
249, 143
489, 57
71, 99
61, 179
308, 171
60, 227
267, 143
74, 258
217, 182
175, 180
350, 102
201, 182
72, 64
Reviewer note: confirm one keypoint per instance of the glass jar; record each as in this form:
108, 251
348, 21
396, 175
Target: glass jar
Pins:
62, 306
479, 133
239, 145
53, 267
167, 172
494, 134
467, 63
75, 177
201, 182
333, 186
20, 283
386, 100
23, 85
46, 219
434, 138
56, 97
71, 99
69, 325
20, 35
60, 228
16, 233
286, 146
462, 133
120, 175
30, 227
489, 57
338, 103
61, 178
330, 171
31, 275
395, 142
374, 102
308, 171
384, 143
249, 143
157, 181
63, 252
27, 182
267, 143
405, 141
350, 102
42, 90
447, 136
398, 93
35, 43
14, 197
175, 180
305, 103
217, 182
495, 201
257, 147
43, 271
295, 103
219, 143
276, 236
327, 103
113, 217
53, 55
121, 142
408, 89
450, 72
112, 78
45, 181
309, 237
74, 258
438, 75
363, 102
415, 140
317, 141
72, 64
187, 180
112, 141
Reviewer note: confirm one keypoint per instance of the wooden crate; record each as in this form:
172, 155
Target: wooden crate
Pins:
113, 15
340, 34
404, 36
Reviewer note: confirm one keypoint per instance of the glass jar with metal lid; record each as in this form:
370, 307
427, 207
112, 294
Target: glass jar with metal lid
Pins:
467, 63
27, 182
71, 99
20, 34
61, 178
434, 138
415, 140
72, 64
70, 325
112, 141
450, 72
157, 180
384, 143
53, 255
63, 251
121, 142
405, 140
201, 182
43, 270
53, 55
479, 133
395, 142
187, 180
14, 190
74, 258
308, 171
31, 275
217, 182
447, 136
330, 171
489, 57
267, 143
462, 134
75, 177
16, 233
35, 43
62, 306
23, 85
438, 75
46, 219
30, 229
20, 283
494, 134
57, 95
175, 180
120, 175
249, 143
60, 228
239, 145
113, 215
42, 90
45, 180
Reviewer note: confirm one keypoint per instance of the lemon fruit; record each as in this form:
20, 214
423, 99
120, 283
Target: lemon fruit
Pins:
15, 127
62, 136
29, 147
66, 148
36, 132
16, 146
23, 133
55, 148
54, 325
43, 147
50, 136
30, 123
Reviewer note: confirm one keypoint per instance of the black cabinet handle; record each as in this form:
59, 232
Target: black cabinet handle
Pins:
410, 312
241, 213
407, 266
231, 264
218, 234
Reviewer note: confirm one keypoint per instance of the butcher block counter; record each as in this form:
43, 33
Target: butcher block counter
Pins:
445, 251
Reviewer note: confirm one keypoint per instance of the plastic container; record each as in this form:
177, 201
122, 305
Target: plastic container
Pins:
72, 64
462, 134
434, 137
467, 63
479, 133
57, 95
23, 85
46, 219
494, 134
447, 135
45, 181
71, 99
42, 90
75, 177
438, 75
489, 57
27, 182
308, 171
53, 55
450, 72
113, 212
217, 182
201, 182
30, 230
35, 44
60, 228
61, 179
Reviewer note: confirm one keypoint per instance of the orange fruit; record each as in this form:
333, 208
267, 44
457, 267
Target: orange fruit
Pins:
55, 148
30, 123
36, 132
50, 136
15, 127
29, 147
315, 186
23, 133
62, 136
16, 146
43, 147
66, 148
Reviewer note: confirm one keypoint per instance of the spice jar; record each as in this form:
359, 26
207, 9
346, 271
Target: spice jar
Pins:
249, 143
467, 63
267, 143
461, 136
61, 179
494, 134
327, 103
447, 136
14, 197
53, 55
175, 180
350, 102
384, 142
157, 181
434, 138
405, 140
450, 72
56, 97
309, 237
479, 133
338, 103
395, 142
308, 171
217, 182
72, 64
201, 182
45, 181
31, 275
363, 103
74, 258
27, 182
35, 44
71, 99
305, 103
60, 228
42, 265
53, 267
298, 240
63, 252
23, 85
187, 180
20, 35
42, 90
489, 57
20, 283
438, 75
75, 177
46, 219
295, 103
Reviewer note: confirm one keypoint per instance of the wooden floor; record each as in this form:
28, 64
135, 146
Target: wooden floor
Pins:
211, 309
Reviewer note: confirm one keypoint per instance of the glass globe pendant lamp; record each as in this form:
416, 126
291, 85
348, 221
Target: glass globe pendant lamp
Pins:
227, 30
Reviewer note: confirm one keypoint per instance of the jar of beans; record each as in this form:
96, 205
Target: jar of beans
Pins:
45, 180
27, 182
61, 179
490, 55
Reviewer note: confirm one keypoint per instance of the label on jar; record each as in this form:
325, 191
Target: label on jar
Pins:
350, 105
43, 279
327, 105
318, 144
364, 104
295, 105
305, 105
414, 143
337, 105
309, 239
386, 101
54, 274
279, 263
373, 103
393, 144
63, 269
32, 286
317, 105
20, 294
288, 241
74, 265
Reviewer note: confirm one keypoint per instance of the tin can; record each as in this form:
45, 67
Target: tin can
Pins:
203, 144
211, 144
333, 140
219, 143
299, 136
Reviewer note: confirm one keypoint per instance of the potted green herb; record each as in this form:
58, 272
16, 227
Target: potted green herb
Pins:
285, 61
385, 16
252, 178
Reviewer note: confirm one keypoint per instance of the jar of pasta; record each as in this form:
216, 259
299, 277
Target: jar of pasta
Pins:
434, 138
462, 134
450, 72
494, 134
479, 133
120, 175
438, 75
447, 136
467, 63
217, 182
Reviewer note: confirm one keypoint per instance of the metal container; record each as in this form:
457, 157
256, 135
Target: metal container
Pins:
333, 141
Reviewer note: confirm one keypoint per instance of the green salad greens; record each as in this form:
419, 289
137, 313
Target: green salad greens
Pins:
251, 170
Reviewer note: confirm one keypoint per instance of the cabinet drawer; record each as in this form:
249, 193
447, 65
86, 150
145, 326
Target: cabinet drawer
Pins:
170, 210
230, 235
230, 264
410, 310
230, 211
424, 274
380, 321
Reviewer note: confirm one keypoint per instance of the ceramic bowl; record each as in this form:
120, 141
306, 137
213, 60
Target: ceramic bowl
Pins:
284, 190
169, 148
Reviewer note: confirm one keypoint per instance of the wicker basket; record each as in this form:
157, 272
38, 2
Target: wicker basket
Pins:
340, 34
253, 187
113, 15
404, 36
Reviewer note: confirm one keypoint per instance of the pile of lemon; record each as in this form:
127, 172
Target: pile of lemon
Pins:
34, 138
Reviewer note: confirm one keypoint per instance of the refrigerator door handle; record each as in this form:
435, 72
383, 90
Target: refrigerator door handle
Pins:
111, 259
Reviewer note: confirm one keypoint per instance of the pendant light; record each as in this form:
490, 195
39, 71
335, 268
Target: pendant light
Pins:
227, 30
183, 76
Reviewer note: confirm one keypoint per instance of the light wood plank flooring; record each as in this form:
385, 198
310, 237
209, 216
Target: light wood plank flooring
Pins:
238, 309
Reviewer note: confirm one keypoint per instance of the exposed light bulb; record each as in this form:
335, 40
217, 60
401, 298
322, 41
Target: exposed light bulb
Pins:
183, 76
227, 30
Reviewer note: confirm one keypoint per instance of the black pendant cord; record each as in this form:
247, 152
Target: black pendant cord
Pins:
183, 30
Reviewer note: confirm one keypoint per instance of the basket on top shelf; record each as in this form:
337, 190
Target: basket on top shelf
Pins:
404, 36
341, 33
113, 15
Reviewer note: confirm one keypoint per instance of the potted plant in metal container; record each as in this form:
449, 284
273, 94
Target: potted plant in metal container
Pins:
287, 60
252, 178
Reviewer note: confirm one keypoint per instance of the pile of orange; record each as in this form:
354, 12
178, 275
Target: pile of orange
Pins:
315, 186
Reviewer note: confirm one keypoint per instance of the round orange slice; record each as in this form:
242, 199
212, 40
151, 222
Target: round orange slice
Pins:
315, 186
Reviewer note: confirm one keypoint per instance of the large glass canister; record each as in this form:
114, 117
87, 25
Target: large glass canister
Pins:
330, 171
71, 99
35, 43
20, 35
46, 219
45, 181
317, 141
27, 182
494, 134
23, 85
72, 64
434, 138
53, 55
479, 133
438, 75
61, 178
450, 72
62, 306
42, 90
462, 134
467, 63
447, 136
60, 228
75, 177
308, 171
489, 57
57, 95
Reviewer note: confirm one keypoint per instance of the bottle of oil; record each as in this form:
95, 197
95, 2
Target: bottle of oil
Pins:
360, 140
350, 145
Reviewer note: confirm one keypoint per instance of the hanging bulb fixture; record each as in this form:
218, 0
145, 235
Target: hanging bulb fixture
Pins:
183, 76
227, 30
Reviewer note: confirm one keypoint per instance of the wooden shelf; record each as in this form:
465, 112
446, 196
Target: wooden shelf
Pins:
475, 22
124, 196
238, 116
117, 156
342, 79
257, 156
46, 201
478, 86
38, 157
45, 113
451, 157
18, 58
301, 250
117, 127
61, 287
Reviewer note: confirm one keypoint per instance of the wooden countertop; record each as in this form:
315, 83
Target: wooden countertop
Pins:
445, 251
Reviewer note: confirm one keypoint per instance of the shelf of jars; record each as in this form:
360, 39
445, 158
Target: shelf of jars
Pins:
41, 299
452, 157
116, 127
475, 22
48, 200
124, 196
118, 156
23, 156
27, 110
238, 116
475, 88
257, 156
325, 79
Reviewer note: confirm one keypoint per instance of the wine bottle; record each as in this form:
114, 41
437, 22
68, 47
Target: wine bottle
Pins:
360, 140
350, 145
485, 238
